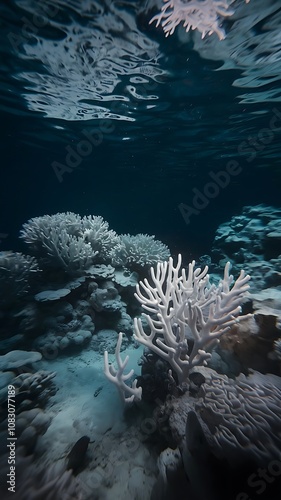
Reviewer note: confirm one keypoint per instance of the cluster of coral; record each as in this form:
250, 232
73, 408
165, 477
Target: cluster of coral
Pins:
73, 290
208, 397
85, 274
227, 415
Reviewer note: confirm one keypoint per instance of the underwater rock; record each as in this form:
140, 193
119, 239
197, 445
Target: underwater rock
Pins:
100, 271
16, 359
106, 340
267, 301
125, 278
28, 439
87, 323
125, 324
7, 344
251, 342
30, 424
50, 295
105, 298
277, 349
172, 483
252, 241
154, 379
50, 345
79, 337
82, 308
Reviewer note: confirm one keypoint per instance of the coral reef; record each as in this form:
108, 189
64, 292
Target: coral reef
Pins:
252, 241
16, 272
86, 246
70, 241
212, 421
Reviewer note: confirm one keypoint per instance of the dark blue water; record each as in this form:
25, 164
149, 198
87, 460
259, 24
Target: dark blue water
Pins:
102, 115
161, 115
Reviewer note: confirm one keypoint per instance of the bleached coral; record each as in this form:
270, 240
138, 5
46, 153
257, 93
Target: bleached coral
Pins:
243, 417
187, 315
95, 230
56, 239
16, 271
69, 241
139, 252
203, 15
127, 393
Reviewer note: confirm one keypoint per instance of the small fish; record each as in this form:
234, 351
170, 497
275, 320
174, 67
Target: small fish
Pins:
96, 393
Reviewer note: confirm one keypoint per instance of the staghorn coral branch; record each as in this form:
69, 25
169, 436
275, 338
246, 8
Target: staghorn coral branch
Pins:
118, 377
187, 314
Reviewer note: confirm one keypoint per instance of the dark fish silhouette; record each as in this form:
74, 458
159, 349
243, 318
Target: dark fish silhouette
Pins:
77, 454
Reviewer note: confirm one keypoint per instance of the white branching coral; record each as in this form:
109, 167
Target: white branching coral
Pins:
37, 231
203, 15
95, 230
187, 315
127, 393
138, 252
69, 241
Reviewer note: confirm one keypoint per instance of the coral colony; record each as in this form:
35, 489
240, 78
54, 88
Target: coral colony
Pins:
208, 349
184, 307
201, 15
